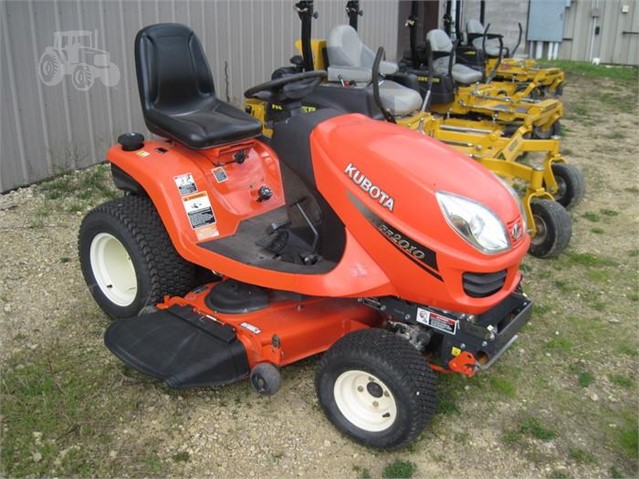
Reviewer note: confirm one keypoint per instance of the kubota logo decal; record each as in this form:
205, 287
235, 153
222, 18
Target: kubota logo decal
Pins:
374, 191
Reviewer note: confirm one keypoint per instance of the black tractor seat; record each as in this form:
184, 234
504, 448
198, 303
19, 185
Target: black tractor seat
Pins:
178, 93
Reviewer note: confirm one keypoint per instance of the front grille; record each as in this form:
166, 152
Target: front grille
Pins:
481, 285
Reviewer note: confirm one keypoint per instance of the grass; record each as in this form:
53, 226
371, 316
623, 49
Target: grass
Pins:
60, 416
80, 190
399, 469
594, 71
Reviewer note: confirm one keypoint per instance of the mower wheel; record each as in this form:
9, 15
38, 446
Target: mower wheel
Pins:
571, 184
554, 229
127, 258
266, 379
377, 388
554, 130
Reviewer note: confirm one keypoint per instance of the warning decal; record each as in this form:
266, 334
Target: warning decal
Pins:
198, 207
220, 174
437, 321
185, 183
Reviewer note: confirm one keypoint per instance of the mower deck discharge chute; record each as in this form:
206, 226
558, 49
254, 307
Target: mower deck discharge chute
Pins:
342, 235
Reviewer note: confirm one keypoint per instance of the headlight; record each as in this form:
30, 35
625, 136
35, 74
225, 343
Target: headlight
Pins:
474, 222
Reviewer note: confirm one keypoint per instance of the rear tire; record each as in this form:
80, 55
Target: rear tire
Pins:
554, 229
127, 258
571, 184
376, 388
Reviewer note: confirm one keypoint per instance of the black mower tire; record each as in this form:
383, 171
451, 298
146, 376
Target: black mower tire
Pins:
571, 183
554, 130
554, 229
159, 270
394, 371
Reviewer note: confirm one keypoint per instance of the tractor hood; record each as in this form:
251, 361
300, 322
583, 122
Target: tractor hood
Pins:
394, 186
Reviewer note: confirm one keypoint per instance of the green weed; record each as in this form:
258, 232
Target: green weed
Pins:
182, 456
590, 216
608, 212
533, 428
581, 457
399, 469
585, 379
621, 380
597, 231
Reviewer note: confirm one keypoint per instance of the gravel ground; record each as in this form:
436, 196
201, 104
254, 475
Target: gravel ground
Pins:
232, 432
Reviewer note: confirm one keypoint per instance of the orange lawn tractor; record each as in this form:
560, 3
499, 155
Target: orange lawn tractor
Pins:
230, 256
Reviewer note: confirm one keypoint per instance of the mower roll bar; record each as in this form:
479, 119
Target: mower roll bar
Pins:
411, 23
499, 37
451, 57
388, 116
429, 85
353, 11
305, 11
521, 30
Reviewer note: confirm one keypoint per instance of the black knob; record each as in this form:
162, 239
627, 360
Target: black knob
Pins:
131, 141
264, 193
239, 157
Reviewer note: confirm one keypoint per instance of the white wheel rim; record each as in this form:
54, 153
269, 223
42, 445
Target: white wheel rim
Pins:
365, 401
113, 269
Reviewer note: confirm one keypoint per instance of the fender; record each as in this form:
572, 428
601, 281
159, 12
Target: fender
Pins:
161, 166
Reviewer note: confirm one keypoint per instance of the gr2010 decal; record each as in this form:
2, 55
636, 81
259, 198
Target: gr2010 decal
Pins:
419, 254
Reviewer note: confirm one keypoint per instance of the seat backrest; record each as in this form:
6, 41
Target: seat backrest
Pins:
440, 42
345, 49
179, 77
474, 27
442, 48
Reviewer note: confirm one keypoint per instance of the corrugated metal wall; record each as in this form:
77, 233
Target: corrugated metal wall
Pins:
503, 16
618, 38
48, 129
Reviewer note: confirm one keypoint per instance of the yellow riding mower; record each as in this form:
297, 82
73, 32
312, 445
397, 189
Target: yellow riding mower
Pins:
485, 52
343, 54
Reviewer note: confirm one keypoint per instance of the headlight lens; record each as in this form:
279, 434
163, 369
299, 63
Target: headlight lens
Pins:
474, 222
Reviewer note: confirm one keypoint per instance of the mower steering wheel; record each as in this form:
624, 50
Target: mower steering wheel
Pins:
290, 87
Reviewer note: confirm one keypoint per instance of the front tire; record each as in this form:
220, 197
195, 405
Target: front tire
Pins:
554, 229
571, 185
376, 388
127, 258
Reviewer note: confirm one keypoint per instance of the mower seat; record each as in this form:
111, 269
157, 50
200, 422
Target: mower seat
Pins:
442, 47
475, 32
350, 60
178, 94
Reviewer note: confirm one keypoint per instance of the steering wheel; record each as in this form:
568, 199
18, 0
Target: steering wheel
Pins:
290, 87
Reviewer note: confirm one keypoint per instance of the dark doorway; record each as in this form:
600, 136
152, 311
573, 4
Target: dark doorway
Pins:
428, 19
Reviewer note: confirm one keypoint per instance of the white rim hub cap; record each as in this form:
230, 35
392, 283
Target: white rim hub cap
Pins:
113, 269
365, 401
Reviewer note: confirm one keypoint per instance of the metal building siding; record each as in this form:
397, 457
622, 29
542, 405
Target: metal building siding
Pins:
611, 45
503, 16
48, 129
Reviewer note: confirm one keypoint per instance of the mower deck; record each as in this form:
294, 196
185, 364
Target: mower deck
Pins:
188, 342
